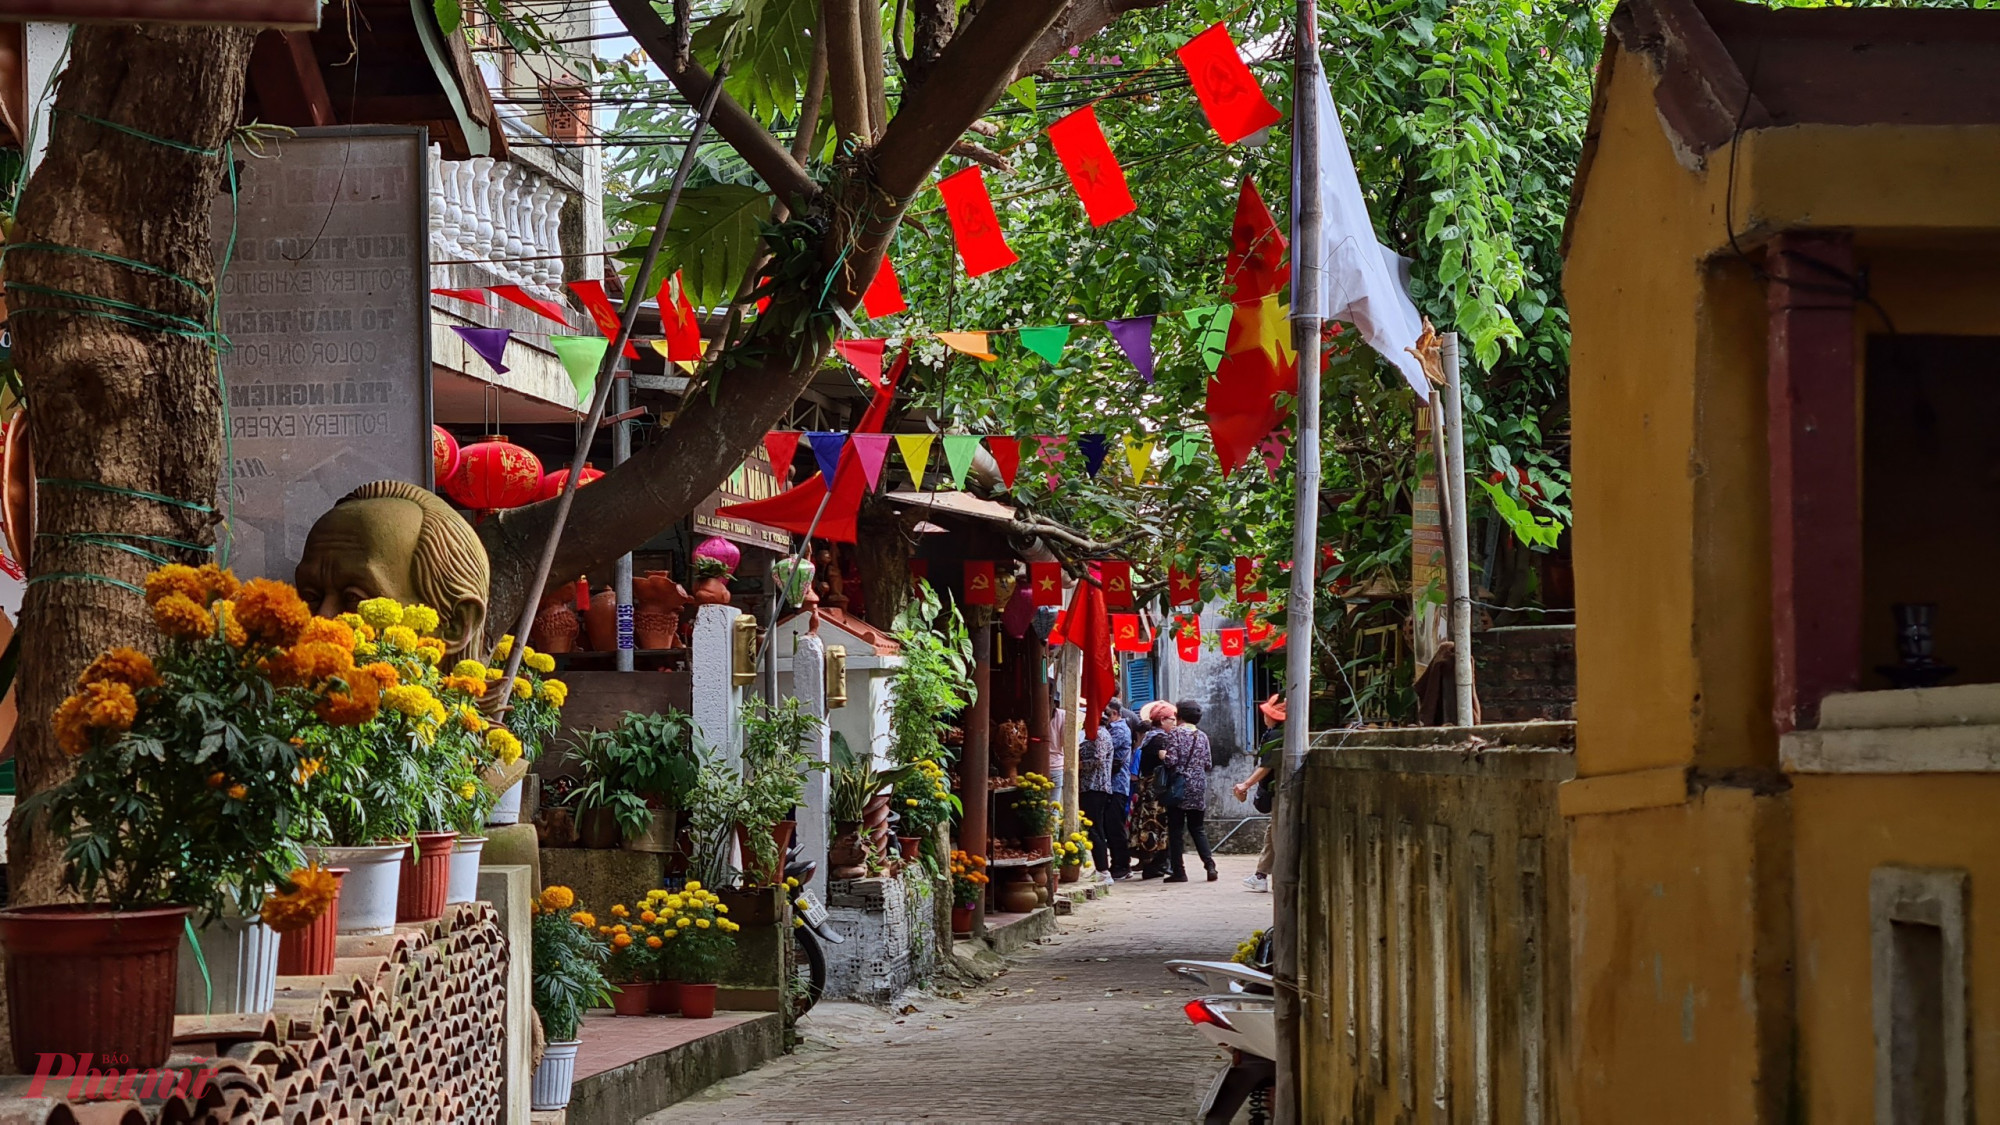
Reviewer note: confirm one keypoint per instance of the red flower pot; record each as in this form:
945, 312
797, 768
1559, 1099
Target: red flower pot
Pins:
1071, 872
631, 998
309, 952
665, 996
697, 1001
426, 879
86, 980
781, 837
961, 920
912, 847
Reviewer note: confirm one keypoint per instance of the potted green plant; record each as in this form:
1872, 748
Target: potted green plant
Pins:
923, 800
699, 938
933, 681
712, 808
640, 774
568, 980
774, 767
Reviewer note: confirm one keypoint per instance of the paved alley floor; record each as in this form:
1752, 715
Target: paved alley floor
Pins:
1084, 1027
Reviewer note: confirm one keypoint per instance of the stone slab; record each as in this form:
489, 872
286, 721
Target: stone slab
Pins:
630, 1066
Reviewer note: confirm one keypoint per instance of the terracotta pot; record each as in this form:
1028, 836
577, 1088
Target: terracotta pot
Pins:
309, 952
1041, 893
1039, 845
961, 920
556, 627
84, 980
631, 998
598, 828
1071, 872
1017, 897
912, 847
426, 878
875, 820
656, 614
663, 997
711, 591
601, 623
697, 1001
844, 857
1010, 745
781, 835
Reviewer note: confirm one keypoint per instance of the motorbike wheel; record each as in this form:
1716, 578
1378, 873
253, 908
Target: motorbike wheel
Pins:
1260, 1105
808, 971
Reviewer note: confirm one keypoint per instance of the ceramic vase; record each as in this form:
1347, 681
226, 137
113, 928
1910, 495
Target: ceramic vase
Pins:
601, 623
556, 627
656, 613
1017, 897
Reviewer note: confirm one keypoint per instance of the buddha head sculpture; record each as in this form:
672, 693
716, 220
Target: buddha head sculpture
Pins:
392, 539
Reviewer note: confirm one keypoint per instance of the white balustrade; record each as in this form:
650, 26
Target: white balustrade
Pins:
503, 215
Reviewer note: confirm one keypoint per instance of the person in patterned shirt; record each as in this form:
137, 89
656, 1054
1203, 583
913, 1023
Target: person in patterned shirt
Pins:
1188, 753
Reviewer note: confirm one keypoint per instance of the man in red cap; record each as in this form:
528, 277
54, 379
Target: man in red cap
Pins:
1268, 756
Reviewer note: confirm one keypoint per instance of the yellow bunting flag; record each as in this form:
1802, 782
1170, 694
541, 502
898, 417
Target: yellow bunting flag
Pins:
970, 343
1139, 454
916, 450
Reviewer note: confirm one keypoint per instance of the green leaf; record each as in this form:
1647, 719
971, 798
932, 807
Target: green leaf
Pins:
449, 16
1024, 92
714, 235
769, 47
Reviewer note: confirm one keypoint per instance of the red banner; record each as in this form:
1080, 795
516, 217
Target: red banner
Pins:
1128, 634
1046, 580
1006, 453
979, 582
1232, 642
885, 293
678, 321
591, 293
1184, 586
1246, 577
1187, 639
1092, 167
1229, 93
974, 225
1117, 583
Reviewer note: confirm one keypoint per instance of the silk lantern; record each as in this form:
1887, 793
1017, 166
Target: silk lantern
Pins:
552, 483
444, 455
494, 473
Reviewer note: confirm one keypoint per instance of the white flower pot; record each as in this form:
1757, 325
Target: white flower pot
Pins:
554, 1077
507, 810
368, 894
465, 869
242, 959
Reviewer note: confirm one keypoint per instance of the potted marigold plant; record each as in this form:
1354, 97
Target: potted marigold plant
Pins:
636, 955
1070, 854
923, 800
568, 981
189, 797
968, 886
699, 939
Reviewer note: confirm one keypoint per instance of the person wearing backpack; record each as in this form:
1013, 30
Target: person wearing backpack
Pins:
1186, 758
1269, 754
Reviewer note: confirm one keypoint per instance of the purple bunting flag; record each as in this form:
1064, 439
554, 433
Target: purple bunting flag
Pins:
489, 343
1135, 335
1094, 447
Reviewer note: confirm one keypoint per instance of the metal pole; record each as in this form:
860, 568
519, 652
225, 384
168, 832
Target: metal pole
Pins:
1457, 532
621, 571
567, 496
1309, 286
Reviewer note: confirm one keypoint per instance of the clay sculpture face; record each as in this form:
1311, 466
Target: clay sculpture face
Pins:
391, 539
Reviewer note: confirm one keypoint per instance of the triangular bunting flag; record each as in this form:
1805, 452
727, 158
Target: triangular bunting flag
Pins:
488, 343
1211, 332
1183, 446
958, 453
581, 356
872, 450
885, 293
1047, 342
1049, 450
1092, 167
1139, 455
476, 296
1272, 448
1135, 338
916, 451
678, 321
1006, 453
520, 297
970, 343
1235, 104
826, 449
591, 294
865, 356
1094, 447
974, 225
781, 446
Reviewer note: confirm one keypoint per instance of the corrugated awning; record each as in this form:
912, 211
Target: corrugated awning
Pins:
957, 504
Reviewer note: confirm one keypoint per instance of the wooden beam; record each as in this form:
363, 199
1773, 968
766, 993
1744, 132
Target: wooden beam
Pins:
285, 74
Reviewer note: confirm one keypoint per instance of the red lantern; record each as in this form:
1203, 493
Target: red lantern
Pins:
444, 455
552, 483
494, 474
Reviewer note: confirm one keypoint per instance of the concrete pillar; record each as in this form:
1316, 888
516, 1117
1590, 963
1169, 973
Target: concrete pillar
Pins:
716, 702
510, 889
809, 688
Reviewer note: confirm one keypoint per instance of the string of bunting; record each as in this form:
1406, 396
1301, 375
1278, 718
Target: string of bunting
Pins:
1049, 451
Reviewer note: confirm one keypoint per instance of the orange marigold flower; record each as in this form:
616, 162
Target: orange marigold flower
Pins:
227, 628
654, 942
385, 673
237, 792
328, 630
109, 705
310, 892
217, 582
172, 579
471, 685
620, 941
358, 704
272, 612
127, 666
179, 616
323, 660
72, 731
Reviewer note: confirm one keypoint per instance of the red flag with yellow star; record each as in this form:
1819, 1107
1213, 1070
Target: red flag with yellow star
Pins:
1257, 356
1046, 580
1092, 167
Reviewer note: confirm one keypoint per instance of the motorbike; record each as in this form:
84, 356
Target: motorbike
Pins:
1241, 1019
809, 929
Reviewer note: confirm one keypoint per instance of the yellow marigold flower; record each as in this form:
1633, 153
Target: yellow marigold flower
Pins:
501, 743
693, 885
381, 612
410, 699
109, 705
702, 923
402, 636
353, 621
228, 629
436, 712
311, 891
237, 792
422, 618
271, 612
618, 928
178, 616
72, 733
654, 942
584, 918
470, 669
522, 688
365, 648
431, 651
553, 897
540, 661
604, 931
329, 631
670, 934
505, 646
555, 692
721, 909
619, 910
911, 801
172, 579
683, 922
673, 904
127, 666
466, 789
217, 582
493, 674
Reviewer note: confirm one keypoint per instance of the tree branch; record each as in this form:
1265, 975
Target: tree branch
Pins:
1083, 19
846, 79
812, 101
730, 121
873, 79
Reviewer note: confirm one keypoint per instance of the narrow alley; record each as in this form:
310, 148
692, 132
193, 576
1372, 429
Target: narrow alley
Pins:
1095, 989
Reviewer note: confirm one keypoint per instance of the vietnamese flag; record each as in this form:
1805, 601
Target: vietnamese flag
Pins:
1056, 631
1183, 586
591, 293
1232, 642
1259, 631
1117, 583
1089, 629
979, 582
678, 322
1126, 635
1257, 358
1006, 453
974, 225
1187, 639
1046, 579
885, 292
1092, 167
1246, 575
1229, 93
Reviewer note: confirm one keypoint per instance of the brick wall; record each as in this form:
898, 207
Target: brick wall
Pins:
1526, 672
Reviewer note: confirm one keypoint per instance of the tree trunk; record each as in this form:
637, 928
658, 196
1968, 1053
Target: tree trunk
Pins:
111, 403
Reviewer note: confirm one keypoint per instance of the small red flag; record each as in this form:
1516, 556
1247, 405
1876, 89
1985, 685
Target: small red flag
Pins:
1246, 575
1187, 639
865, 356
476, 296
1255, 267
1056, 638
1092, 167
979, 582
1006, 453
974, 225
583, 595
1117, 583
1047, 581
885, 293
1232, 642
1235, 104
1184, 586
779, 445
591, 293
1258, 631
520, 297
1126, 635
677, 320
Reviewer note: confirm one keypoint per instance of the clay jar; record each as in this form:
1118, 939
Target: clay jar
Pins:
711, 591
1010, 745
656, 616
601, 623
1017, 897
556, 628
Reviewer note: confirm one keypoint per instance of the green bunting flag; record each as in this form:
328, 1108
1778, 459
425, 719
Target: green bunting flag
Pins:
1182, 447
958, 451
1211, 327
581, 356
1046, 342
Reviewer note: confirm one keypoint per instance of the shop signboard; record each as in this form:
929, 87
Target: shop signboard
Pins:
292, 14
325, 305
752, 480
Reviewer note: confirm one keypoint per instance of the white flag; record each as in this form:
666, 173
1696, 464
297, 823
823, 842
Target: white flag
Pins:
1362, 281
